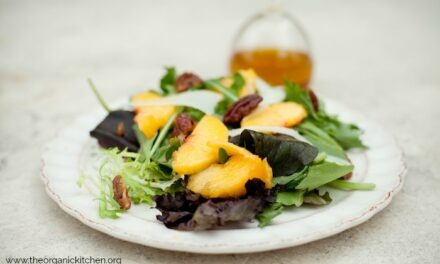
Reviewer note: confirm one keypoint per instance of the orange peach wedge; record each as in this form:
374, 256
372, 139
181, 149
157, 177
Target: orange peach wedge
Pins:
228, 180
151, 118
286, 114
250, 78
195, 154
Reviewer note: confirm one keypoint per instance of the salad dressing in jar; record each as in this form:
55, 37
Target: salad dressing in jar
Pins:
275, 46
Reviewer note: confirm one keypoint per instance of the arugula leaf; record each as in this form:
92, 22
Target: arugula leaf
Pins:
294, 93
351, 186
320, 139
238, 84
222, 156
315, 198
323, 173
284, 154
231, 95
228, 93
167, 81
290, 198
222, 107
345, 134
291, 179
269, 213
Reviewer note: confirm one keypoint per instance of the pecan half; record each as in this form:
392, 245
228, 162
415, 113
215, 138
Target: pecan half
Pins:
120, 193
186, 80
183, 126
241, 108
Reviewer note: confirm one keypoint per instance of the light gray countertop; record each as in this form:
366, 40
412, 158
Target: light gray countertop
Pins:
381, 58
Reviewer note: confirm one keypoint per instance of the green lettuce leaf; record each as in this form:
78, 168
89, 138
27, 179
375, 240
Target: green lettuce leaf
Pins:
315, 198
294, 93
291, 180
289, 198
323, 173
351, 186
238, 84
230, 95
167, 81
269, 213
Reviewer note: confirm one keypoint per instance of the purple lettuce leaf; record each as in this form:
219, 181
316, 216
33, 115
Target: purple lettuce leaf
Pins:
107, 135
189, 211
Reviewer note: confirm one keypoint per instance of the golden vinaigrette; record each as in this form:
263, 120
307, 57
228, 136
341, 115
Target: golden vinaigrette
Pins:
274, 65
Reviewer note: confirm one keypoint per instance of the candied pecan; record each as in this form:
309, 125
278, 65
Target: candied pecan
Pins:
183, 126
187, 80
241, 108
314, 99
120, 129
120, 193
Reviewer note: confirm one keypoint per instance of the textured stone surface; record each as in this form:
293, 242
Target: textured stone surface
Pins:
379, 57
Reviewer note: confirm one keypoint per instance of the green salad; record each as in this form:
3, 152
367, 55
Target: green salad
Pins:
209, 152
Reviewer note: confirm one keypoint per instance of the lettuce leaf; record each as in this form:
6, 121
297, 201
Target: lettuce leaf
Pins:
284, 154
351, 186
167, 81
314, 198
294, 93
290, 198
189, 211
323, 173
319, 138
105, 132
347, 135
292, 180
238, 84
269, 213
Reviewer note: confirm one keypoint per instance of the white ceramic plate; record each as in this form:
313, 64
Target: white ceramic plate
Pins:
73, 152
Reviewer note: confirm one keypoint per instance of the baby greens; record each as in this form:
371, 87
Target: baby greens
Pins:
345, 134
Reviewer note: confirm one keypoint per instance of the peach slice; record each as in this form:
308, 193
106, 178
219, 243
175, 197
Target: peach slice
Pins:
250, 78
228, 180
195, 154
231, 149
151, 118
286, 114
